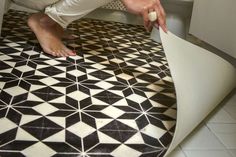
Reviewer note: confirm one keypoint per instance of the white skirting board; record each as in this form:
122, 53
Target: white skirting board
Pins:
202, 80
214, 22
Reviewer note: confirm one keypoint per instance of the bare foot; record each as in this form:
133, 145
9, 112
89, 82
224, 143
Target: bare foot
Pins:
49, 35
68, 36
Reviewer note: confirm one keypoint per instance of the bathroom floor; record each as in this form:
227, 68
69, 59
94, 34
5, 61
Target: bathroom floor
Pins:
215, 137
115, 98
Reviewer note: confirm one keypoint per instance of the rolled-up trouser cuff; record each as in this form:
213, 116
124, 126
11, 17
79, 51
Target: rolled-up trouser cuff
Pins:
66, 11
52, 13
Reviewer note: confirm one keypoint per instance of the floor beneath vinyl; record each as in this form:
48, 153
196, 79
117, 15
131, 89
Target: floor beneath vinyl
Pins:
114, 98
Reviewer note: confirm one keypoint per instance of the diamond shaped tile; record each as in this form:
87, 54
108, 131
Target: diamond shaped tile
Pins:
49, 81
108, 97
77, 73
81, 129
104, 85
24, 68
45, 108
42, 128
36, 150
122, 150
136, 98
119, 131
16, 90
8, 125
112, 112
153, 131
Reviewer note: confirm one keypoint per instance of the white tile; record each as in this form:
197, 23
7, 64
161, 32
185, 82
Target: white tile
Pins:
125, 76
136, 98
8, 125
76, 73
122, 151
52, 62
222, 128
104, 84
153, 131
113, 112
231, 101
49, 81
232, 111
38, 150
232, 152
78, 94
24, 68
202, 138
226, 133
207, 153
16, 90
171, 113
45, 108
84, 129
231, 108
177, 153
221, 116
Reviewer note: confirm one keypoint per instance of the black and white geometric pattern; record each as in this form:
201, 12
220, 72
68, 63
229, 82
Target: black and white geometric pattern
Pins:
114, 98
115, 5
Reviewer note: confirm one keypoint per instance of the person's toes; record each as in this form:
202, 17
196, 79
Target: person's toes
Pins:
69, 52
54, 54
58, 55
63, 53
49, 51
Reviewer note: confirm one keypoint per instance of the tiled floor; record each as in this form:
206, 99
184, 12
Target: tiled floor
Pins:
115, 96
81, 88
216, 137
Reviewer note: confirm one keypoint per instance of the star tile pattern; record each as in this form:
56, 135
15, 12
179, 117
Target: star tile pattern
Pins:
115, 97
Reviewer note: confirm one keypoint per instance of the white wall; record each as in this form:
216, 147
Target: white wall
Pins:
2, 10
214, 21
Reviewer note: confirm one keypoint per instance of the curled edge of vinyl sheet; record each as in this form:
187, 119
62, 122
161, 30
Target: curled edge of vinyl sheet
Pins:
202, 80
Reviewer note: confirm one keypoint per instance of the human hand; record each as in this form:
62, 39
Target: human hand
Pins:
143, 8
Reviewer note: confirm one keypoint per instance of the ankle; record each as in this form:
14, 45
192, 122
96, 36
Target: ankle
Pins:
47, 21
